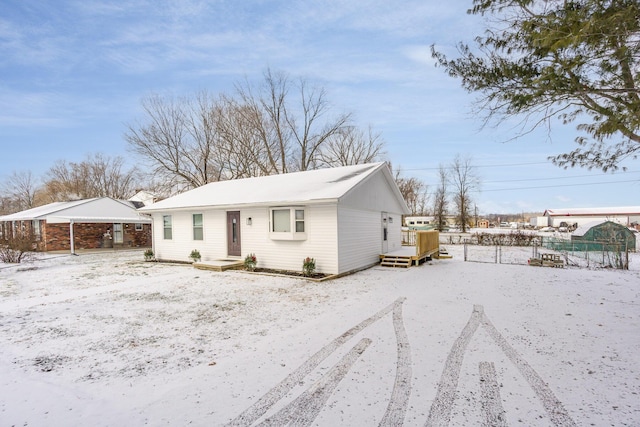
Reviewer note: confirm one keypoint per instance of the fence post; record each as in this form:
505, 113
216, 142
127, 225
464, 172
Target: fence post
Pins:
626, 251
465, 251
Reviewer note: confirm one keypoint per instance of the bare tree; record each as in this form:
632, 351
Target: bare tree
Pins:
21, 188
465, 181
440, 199
274, 126
352, 146
264, 108
310, 131
290, 119
414, 191
178, 140
7, 206
96, 176
249, 147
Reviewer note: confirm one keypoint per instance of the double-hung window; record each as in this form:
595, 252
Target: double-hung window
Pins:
168, 231
287, 223
197, 227
36, 229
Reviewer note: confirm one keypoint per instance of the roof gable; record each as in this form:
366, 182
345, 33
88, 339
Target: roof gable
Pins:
101, 209
41, 212
291, 188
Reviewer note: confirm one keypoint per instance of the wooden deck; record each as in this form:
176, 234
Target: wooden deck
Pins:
220, 264
406, 257
427, 246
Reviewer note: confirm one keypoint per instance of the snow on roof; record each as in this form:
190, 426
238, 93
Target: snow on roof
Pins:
289, 188
99, 209
625, 210
42, 211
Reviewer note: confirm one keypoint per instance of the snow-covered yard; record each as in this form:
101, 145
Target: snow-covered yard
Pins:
107, 339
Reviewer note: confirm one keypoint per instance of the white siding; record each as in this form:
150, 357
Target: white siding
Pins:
360, 237
360, 223
321, 242
374, 194
213, 246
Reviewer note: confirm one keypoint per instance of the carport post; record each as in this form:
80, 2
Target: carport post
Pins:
73, 246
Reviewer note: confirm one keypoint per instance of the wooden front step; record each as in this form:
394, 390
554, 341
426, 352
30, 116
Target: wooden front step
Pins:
396, 261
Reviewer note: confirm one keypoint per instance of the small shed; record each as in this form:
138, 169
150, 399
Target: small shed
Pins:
606, 235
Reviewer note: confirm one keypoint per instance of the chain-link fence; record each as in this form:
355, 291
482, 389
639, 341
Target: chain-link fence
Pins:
592, 254
500, 254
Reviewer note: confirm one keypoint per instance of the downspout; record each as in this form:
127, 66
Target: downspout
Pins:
73, 246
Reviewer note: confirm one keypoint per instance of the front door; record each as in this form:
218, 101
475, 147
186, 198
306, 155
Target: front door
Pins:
385, 233
233, 233
117, 233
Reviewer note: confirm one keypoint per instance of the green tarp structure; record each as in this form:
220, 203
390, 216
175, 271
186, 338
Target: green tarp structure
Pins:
597, 236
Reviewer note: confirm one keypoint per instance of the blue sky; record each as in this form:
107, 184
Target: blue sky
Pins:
72, 74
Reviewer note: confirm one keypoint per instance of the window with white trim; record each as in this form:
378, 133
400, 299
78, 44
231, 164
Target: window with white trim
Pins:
287, 223
36, 229
197, 227
168, 230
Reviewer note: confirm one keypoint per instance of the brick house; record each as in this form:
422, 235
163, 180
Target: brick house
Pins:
82, 224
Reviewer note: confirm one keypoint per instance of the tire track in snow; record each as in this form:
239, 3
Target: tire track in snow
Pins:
440, 413
394, 415
552, 405
493, 414
258, 409
305, 408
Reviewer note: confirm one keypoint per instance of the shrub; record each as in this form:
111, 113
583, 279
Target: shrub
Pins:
148, 255
308, 266
195, 255
17, 248
250, 262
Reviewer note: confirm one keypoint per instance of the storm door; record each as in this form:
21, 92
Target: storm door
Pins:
233, 233
117, 233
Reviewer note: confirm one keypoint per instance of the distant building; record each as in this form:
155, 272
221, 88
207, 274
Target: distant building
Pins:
628, 216
483, 223
419, 222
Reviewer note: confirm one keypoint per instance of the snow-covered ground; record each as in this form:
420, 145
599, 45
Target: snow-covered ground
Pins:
109, 340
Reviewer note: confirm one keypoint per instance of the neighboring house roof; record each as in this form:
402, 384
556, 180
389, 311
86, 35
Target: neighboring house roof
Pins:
625, 210
312, 186
41, 212
143, 198
99, 209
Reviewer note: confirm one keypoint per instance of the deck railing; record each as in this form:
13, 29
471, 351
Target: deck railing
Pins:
427, 242
408, 237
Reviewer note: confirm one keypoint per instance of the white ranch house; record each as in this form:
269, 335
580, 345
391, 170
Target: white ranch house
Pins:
343, 217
